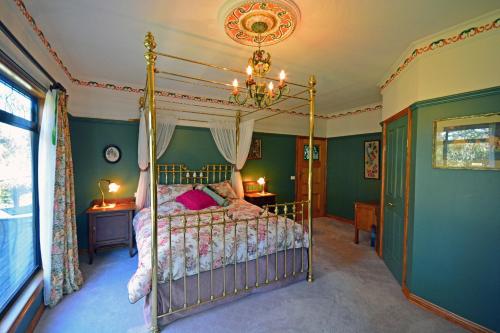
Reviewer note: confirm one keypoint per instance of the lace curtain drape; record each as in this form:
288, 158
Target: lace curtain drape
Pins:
58, 240
165, 127
224, 134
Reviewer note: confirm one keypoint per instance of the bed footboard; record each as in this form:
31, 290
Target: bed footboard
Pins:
244, 286
279, 261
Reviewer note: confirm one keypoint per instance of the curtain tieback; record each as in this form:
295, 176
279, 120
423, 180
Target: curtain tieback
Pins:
145, 169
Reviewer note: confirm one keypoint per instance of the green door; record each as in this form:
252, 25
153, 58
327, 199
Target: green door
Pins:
394, 197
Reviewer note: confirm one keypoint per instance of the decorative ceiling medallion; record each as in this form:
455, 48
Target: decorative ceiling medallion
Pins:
261, 22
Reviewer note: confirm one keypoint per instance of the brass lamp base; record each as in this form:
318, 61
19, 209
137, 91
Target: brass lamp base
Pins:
105, 205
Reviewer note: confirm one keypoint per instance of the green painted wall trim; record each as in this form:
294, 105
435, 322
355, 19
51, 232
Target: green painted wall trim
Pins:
456, 97
345, 174
454, 226
190, 145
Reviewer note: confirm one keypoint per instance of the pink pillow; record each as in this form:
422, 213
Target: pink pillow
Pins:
196, 200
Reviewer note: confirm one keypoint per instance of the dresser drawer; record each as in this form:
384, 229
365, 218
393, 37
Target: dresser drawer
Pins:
112, 228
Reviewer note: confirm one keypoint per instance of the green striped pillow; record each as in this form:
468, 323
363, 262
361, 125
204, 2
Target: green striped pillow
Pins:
220, 200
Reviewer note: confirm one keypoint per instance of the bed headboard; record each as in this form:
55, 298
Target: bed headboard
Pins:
173, 173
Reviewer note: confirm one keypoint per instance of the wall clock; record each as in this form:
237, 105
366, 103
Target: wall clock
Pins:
112, 153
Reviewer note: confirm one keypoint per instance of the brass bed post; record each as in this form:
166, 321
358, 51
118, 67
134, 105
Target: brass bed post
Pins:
150, 44
238, 121
312, 93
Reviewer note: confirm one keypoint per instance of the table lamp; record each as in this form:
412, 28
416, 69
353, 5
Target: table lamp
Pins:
112, 188
262, 181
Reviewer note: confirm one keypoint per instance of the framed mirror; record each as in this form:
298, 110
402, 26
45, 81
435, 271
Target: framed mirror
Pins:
467, 142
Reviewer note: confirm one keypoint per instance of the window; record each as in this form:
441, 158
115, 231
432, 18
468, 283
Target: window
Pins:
19, 248
471, 142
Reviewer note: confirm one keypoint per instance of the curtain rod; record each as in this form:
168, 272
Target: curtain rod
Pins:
27, 54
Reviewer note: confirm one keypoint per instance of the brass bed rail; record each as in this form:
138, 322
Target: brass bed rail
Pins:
284, 212
206, 176
174, 173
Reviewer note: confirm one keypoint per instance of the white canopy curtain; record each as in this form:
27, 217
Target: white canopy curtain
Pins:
47, 168
165, 127
224, 134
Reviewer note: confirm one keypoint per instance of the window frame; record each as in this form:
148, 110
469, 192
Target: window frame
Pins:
33, 127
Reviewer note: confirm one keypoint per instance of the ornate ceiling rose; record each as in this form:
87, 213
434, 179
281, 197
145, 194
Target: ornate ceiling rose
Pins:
261, 22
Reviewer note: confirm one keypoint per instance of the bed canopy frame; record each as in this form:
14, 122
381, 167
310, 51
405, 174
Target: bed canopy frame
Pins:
150, 93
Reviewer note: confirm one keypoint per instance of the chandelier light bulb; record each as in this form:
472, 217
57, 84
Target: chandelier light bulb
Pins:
282, 75
249, 70
271, 86
235, 87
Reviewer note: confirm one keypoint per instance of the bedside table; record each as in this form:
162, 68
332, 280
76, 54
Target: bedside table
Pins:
111, 226
259, 199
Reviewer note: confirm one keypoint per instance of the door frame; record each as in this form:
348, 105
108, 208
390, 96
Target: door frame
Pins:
405, 112
297, 138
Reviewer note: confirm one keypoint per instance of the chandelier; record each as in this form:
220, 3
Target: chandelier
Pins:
260, 92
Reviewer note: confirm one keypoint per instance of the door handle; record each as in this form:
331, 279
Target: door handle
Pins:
390, 204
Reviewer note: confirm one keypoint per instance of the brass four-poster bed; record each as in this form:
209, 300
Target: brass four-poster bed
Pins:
202, 258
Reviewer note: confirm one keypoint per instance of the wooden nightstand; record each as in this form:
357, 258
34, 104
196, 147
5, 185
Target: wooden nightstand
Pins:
366, 215
111, 226
259, 199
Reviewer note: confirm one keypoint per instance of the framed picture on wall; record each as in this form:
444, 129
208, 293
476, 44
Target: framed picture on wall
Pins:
471, 142
112, 154
255, 152
372, 159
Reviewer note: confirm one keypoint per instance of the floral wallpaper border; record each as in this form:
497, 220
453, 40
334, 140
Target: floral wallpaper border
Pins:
440, 43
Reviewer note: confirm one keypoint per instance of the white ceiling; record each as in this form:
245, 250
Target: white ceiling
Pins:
348, 44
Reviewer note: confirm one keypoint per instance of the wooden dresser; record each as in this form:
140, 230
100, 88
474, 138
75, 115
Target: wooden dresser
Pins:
366, 215
110, 227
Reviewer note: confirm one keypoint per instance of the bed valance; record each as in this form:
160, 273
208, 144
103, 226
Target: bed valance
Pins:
233, 146
165, 130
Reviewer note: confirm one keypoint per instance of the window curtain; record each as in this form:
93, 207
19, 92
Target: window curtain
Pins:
165, 127
224, 134
58, 240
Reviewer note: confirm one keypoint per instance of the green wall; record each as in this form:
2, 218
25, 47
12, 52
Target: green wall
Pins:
193, 147
190, 145
277, 165
88, 139
345, 175
454, 227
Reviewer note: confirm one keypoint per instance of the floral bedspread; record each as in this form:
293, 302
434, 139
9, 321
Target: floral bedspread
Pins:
212, 239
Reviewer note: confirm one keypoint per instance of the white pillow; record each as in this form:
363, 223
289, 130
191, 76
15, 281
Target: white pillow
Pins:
224, 189
170, 192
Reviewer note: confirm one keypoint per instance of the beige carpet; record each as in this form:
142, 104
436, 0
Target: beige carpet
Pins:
353, 292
